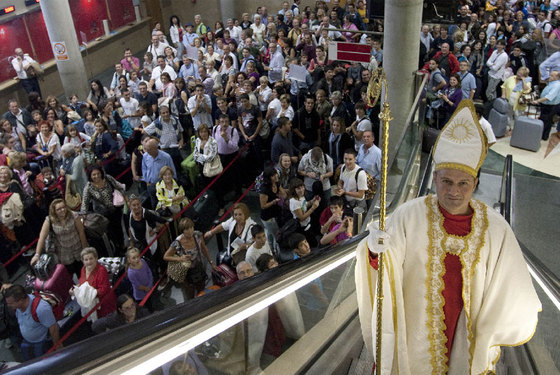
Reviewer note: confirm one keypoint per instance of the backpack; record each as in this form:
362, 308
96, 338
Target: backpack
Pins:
52, 299
285, 232
371, 183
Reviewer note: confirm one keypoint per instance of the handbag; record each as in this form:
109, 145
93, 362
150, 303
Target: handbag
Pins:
45, 266
73, 201
265, 129
213, 167
177, 271
118, 198
196, 275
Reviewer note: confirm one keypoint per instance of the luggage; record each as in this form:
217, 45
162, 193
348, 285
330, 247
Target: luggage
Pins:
224, 276
96, 226
59, 283
206, 208
429, 139
501, 105
499, 122
527, 133
45, 266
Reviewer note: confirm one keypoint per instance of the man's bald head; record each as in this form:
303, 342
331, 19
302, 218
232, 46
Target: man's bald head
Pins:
152, 147
554, 75
244, 271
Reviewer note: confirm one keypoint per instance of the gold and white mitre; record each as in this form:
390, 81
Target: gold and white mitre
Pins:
461, 143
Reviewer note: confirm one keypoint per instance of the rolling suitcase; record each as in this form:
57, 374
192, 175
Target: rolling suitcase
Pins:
501, 105
59, 283
499, 122
224, 276
527, 133
206, 208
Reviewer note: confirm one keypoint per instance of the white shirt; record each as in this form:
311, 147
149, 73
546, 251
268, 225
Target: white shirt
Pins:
487, 129
20, 70
497, 64
276, 63
363, 125
266, 97
201, 116
156, 74
130, 108
276, 107
235, 33
258, 31
159, 50
349, 178
253, 254
331, 34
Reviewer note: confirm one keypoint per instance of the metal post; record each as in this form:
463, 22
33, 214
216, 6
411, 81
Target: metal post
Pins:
358, 219
64, 42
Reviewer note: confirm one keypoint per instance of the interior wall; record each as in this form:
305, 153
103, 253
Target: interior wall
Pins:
100, 56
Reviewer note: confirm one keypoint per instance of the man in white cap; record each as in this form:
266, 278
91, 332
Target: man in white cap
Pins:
456, 286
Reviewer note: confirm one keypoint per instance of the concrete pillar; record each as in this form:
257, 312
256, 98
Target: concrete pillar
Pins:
228, 9
401, 48
64, 42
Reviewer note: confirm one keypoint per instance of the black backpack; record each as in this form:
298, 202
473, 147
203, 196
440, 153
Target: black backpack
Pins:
285, 232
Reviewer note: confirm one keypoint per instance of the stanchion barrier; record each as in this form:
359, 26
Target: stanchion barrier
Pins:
37, 239
145, 299
123, 173
21, 252
147, 296
119, 281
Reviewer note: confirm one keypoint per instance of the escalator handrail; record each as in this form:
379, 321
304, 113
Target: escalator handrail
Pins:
506, 190
427, 176
88, 354
551, 281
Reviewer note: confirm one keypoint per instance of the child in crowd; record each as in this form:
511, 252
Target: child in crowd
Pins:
266, 262
259, 247
335, 228
88, 125
73, 136
51, 187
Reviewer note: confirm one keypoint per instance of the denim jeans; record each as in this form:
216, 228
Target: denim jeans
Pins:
30, 350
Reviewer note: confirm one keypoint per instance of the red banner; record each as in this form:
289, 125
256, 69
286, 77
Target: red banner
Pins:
352, 52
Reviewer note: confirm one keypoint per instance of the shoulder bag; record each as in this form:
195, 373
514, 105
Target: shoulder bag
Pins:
73, 201
213, 167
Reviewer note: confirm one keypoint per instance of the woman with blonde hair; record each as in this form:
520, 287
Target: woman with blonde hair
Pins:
139, 274
18, 162
514, 87
170, 195
67, 235
238, 228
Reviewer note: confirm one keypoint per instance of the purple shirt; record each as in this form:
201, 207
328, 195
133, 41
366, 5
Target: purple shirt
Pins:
143, 276
226, 148
128, 66
341, 236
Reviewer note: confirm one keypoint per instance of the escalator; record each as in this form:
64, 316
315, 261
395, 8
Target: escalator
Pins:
221, 332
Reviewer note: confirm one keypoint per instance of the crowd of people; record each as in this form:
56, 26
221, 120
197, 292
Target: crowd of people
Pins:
497, 49
253, 101
201, 96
